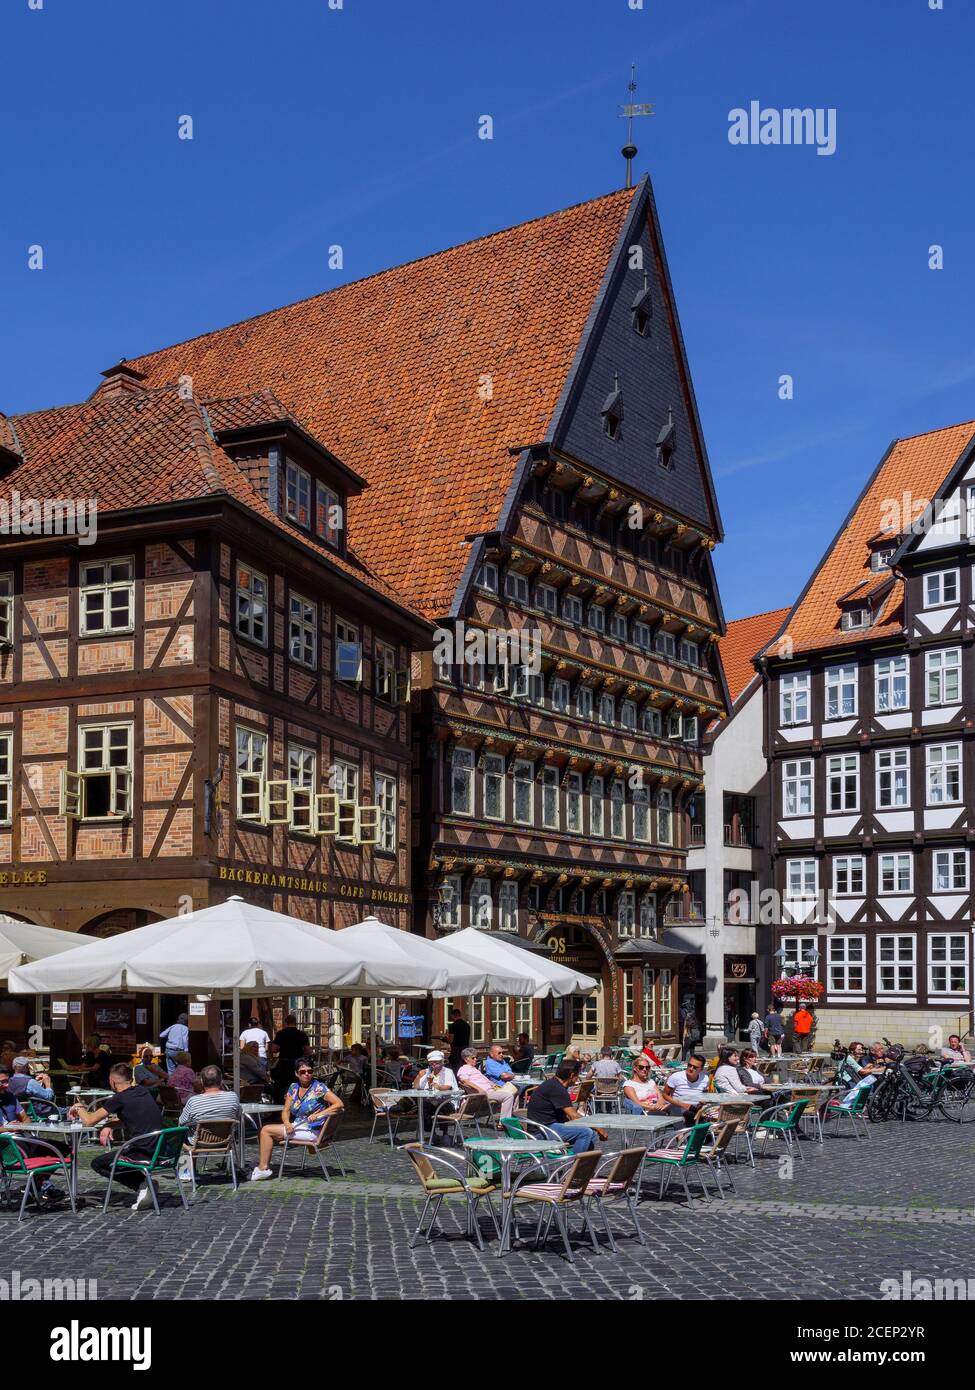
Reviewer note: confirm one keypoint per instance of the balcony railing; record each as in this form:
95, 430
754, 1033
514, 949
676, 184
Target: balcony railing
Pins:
697, 834
739, 837
688, 914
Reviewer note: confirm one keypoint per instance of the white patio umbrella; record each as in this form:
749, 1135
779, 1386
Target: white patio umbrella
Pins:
232, 947
536, 975
22, 942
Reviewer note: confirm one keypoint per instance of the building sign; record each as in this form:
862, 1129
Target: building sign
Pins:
324, 887
739, 967
23, 878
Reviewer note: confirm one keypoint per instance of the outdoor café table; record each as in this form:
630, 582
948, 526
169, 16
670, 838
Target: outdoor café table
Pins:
416, 1097
506, 1151
634, 1124
64, 1130
88, 1093
254, 1107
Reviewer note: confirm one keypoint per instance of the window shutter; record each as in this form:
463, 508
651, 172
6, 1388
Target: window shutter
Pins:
69, 794
277, 802
326, 814
367, 825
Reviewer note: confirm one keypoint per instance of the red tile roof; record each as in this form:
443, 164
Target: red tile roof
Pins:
910, 473
390, 373
744, 638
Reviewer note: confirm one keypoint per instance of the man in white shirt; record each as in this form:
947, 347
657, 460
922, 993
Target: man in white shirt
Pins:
954, 1052
471, 1075
685, 1091
255, 1033
436, 1077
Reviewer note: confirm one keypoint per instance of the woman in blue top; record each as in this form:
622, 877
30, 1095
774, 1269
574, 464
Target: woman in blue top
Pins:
306, 1108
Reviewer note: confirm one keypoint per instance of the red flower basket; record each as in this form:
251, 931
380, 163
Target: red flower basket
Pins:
798, 988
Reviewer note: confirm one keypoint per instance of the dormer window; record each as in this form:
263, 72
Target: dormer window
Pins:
855, 618
643, 309
298, 495
880, 560
329, 515
667, 442
612, 411
487, 577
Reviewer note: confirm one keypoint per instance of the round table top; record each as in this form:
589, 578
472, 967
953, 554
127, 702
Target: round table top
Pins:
513, 1146
87, 1091
632, 1121
717, 1098
53, 1126
259, 1107
427, 1095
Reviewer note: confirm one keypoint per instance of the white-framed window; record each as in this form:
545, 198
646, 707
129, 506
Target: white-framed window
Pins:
573, 802
690, 728
584, 701
345, 779
482, 907
6, 610
880, 560
386, 801
523, 777
561, 691
607, 709
546, 598
519, 681
841, 691
329, 515
536, 688
651, 721
848, 875
950, 871
523, 1015
893, 778
948, 963
674, 727
940, 588
626, 913
572, 609
462, 782
648, 914
597, 791
394, 686
487, 577
251, 767
847, 964
794, 698
797, 787
550, 798
642, 636
297, 495
617, 809
801, 879
107, 597
628, 1019
890, 684
843, 782
104, 785
516, 586
641, 814
303, 631
896, 965
666, 644
508, 906
618, 626
854, 618
796, 949
301, 788
895, 873
649, 1001
628, 714
348, 652
943, 669
665, 978
690, 653
450, 901
493, 786
597, 618
665, 819
943, 763
476, 1016
6, 778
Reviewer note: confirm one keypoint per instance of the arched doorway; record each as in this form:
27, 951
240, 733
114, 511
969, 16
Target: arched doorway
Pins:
124, 1021
586, 1020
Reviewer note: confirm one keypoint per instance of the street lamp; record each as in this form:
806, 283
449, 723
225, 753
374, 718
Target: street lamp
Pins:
444, 904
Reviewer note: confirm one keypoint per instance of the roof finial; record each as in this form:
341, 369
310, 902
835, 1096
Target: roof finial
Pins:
629, 110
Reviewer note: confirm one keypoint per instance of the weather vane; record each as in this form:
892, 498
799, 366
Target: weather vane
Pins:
631, 109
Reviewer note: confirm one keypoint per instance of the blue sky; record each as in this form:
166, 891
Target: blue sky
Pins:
358, 126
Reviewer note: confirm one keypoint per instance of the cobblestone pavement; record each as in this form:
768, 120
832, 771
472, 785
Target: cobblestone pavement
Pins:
852, 1214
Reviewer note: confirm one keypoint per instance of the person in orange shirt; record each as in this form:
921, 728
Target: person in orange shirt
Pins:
802, 1022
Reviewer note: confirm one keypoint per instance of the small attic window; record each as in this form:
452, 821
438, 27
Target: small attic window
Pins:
612, 411
643, 309
855, 618
667, 442
880, 560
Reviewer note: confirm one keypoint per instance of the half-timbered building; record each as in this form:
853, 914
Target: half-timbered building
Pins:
870, 710
523, 410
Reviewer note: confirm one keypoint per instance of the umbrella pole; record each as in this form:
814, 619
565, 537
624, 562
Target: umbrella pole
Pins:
234, 1024
372, 1041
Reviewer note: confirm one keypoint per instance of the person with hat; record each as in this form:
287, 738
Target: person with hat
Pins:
436, 1077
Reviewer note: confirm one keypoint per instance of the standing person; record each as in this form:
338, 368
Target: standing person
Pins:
139, 1113
756, 1032
289, 1044
774, 1030
802, 1025
175, 1038
551, 1105
458, 1035
691, 1035
255, 1033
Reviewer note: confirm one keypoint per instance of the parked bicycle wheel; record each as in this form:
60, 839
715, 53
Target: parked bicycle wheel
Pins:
958, 1101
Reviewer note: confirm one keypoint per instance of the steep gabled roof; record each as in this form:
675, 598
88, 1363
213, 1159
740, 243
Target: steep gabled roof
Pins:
744, 638
423, 378
909, 474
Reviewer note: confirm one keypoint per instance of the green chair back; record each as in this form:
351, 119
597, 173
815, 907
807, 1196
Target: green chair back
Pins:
696, 1136
10, 1156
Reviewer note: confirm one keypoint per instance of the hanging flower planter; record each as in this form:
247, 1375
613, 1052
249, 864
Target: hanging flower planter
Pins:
798, 988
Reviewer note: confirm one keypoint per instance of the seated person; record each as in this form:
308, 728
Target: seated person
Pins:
393, 1065
524, 1055
606, 1067
471, 1075
139, 1113
551, 1105
728, 1079
640, 1094
306, 1108
686, 1091
28, 1087
98, 1063
436, 1076
496, 1067
183, 1078
746, 1069
253, 1072
212, 1103
954, 1052
11, 1112
147, 1072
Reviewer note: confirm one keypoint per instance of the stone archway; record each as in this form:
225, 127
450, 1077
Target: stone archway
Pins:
122, 919
597, 960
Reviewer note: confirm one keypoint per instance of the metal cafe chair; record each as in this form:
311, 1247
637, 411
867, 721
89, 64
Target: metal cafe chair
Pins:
27, 1164
163, 1159
322, 1141
212, 1139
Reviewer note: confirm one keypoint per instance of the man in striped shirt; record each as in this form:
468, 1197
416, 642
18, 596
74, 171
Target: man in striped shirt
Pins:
213, 1104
